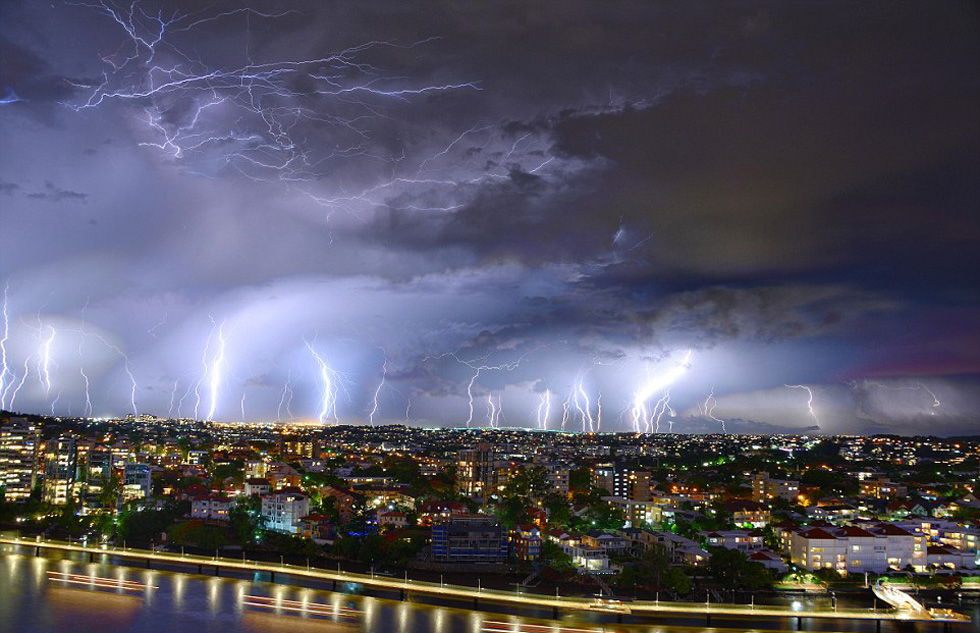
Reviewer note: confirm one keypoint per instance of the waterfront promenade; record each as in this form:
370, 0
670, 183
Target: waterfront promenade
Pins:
402, 587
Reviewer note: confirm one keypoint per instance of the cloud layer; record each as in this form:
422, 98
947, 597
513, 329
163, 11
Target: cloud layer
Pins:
466, 208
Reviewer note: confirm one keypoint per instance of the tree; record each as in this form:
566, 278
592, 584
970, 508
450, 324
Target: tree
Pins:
654, 571
529, 482
245, 519
111, 489
731, 569
580, 479
233, 469
598, 515
678, 582
194, 532
559, 511
512, 511
146, 524
553, 557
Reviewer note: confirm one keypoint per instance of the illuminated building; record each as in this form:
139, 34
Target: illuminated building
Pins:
213, 508
526, 542
283, 510
137, 482
877, 548
765, 489
19, 442
477, 471
620, 481
469, 539
60, 470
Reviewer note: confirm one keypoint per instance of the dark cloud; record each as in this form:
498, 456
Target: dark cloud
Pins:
566, 194
26, 78
54, 193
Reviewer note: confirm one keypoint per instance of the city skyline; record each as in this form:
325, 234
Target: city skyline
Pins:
654, 217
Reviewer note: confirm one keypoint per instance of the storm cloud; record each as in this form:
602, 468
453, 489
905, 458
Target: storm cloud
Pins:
454, 204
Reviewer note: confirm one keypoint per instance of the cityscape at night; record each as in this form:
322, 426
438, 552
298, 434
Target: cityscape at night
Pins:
446, 315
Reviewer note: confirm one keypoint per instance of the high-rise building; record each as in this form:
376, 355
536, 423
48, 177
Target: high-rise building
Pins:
477, 471
94, 477
60, 470
98, 470
621, 481
19, 446
558, 479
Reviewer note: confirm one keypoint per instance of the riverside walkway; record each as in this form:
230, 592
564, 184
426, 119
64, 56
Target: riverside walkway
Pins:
476, 595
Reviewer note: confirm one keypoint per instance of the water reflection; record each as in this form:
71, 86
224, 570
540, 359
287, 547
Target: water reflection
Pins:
159, 601
179, 582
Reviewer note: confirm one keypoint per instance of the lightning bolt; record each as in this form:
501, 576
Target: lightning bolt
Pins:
217, 367
659, 409
585, 412
565, 412
343, 93
180, 403
88, 398
87, 411
54, 403
478, 369
377, 392
709, 406
918, 386
242, 405
544, 410
328, 398
491, 411
45, 361
469, 394
152, 330
27, 371
598, 413
206, 369
4, 369
126, 368
645, 420
173, 397
286, 398
809, 401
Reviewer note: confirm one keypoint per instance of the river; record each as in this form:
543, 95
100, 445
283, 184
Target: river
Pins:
37, 596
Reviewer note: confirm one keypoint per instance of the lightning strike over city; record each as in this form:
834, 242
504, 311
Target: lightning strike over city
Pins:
563, 210
809, 400
636, 316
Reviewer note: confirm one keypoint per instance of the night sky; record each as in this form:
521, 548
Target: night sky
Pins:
673, 216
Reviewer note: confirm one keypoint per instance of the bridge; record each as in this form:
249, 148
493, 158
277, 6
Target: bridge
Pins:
478, 594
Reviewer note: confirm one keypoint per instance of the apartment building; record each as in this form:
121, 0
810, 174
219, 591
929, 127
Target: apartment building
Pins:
766, 489
60, 470
876, 548
283, 510
19, 451
469, 539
